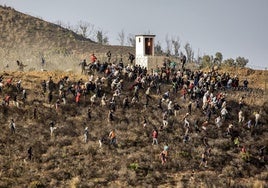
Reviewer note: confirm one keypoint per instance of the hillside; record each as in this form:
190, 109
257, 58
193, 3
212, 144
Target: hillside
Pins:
27, 39
64, 160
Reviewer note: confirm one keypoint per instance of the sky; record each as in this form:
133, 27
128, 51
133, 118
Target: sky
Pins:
232, 27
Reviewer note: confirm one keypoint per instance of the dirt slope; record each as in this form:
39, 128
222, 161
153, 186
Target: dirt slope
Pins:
66, 161
26, 38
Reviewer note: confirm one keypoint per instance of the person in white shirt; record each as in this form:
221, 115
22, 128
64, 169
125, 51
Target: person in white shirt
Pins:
241, 117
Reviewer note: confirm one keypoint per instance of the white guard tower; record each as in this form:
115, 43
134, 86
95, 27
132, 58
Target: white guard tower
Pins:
144, 50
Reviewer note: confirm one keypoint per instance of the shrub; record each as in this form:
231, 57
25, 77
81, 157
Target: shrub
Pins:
134, 166
245, 156
231, 171
36, 184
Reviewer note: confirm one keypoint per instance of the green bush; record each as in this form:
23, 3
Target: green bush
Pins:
134, 166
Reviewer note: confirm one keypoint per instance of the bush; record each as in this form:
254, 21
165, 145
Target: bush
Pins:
231, 171
36, 184
134, 166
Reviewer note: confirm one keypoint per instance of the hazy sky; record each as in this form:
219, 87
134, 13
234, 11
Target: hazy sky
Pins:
232, 27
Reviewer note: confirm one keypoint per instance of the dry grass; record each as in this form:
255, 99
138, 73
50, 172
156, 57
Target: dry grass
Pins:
65, 160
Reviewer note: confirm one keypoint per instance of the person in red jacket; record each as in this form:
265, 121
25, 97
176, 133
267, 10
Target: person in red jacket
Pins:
77, 98
155, 135
93, 58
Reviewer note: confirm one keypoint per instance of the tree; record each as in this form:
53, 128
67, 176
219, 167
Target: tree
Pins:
241, 61
189, 52
229, 62
131, 40
121, 37
168, 42
158, 48
85, 29
206, 61
218, 58
176, 45
101, 38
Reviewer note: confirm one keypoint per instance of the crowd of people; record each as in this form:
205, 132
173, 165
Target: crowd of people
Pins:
178, 91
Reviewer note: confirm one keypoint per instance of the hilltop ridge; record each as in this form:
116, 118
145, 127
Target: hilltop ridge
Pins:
28, 38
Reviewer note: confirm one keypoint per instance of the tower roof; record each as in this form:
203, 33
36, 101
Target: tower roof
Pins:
143, 35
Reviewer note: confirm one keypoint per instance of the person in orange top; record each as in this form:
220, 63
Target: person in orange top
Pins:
112, 137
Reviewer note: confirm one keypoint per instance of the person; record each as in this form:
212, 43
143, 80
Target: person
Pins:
110, 115
93, 59
170, 107
44, 86
245, 84
24, 95
7, 99
147, 94
205, 125
186, 122
89, 113
248, 124
30, 153
241, 102
176, 108
241, 117
50, 97
20, 65
262, 153
125, 102
155, 135
93, 99
35, 112
165, 119
224, 113
243, 149
18, 85
190, 107
160, 104
12, 126
203, 159
205, 141
186, 136
83, 66
192, 178
196, 126
131, 58
86, 135
77, 98
15, 101
112, 137
52, 128
144, 121
229, 129
57, 104
183, 60
109, 55
164, 154
43, 62
218, 121
101, 141
257, 118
